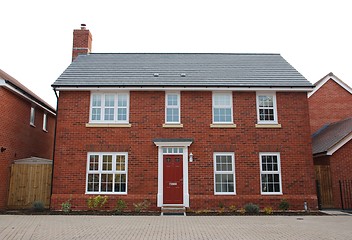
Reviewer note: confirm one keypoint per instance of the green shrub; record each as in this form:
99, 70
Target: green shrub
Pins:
141, 206
233, 208
96, 202
242, 211
268, 210
38, 206
120, 206
251, 208
284, 205
66, 206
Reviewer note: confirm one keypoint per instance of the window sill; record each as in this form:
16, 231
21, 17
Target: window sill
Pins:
222, 194
268, 125
45, 130
106, 193
271, 194
32, 125
218, 125
109, 125
169, 125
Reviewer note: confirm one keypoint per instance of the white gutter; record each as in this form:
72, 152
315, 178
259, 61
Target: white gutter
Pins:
4, 84
283, 89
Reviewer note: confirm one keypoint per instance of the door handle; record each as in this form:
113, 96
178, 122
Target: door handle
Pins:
172, 183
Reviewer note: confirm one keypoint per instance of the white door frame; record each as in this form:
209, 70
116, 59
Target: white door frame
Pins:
178, 144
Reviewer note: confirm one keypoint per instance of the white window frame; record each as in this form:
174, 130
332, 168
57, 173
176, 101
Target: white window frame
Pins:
215, 154
100, 171
270, 94
116, 107
32, 117
173, 107
277, 154
45, 122
222, 106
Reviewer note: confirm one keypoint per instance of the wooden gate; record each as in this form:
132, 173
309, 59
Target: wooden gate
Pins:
29, 183
323, 177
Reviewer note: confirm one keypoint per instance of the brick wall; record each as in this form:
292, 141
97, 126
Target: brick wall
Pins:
341, 169
74, 140
331, 103
20, 139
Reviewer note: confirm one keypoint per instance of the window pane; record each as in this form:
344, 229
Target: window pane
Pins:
93, 183
109, 114
172, 100
106, 182
94, 162
172, 115
96, 113
120, 163
109, 100
122, 114
107, 163
96, 100
122, 100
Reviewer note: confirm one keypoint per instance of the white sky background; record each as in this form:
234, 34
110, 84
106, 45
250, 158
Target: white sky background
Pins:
315, 37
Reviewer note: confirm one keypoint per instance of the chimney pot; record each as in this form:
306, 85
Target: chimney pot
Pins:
83, 26
82, 41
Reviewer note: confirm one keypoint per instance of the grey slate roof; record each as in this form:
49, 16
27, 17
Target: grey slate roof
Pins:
200, 69
331, 134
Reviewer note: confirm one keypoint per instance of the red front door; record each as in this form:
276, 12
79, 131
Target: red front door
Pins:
173, 179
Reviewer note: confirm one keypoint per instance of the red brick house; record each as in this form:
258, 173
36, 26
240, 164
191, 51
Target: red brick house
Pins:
330, 108
189, 130
27, 126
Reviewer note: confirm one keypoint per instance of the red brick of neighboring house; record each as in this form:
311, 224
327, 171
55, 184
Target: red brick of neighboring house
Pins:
331, 101
330, 109
145, 135
19, 139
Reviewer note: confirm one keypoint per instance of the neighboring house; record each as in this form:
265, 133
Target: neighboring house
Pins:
187, 130
330, 109
329, 102
27, 126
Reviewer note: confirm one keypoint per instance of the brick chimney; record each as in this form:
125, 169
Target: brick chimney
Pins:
82, 42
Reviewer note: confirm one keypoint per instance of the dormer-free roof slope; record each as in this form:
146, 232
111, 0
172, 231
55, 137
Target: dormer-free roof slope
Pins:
15, 85
181, 70
332, 136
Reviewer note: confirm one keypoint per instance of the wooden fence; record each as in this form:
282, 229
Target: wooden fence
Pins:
29, 183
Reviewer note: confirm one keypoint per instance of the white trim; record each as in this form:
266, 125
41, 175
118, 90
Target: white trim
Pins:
161, 171
277, 154
100, 171
250, 89
215, 154
272, 94
45, 122
331, 76
4, 84
178, 95
32, 117
222, 106
173, 144
115, 107
340, 144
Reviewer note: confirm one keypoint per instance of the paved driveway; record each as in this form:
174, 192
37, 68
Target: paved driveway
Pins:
175, 227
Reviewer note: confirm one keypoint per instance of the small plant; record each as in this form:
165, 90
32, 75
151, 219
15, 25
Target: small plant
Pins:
141, 206
251, 208
66, 206
268, 210
221, 207
284, 205
242, 211
38, 206
120, 206
233, 208
96, 202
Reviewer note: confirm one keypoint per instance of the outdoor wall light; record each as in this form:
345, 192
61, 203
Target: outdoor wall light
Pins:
191, 157
2, 149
